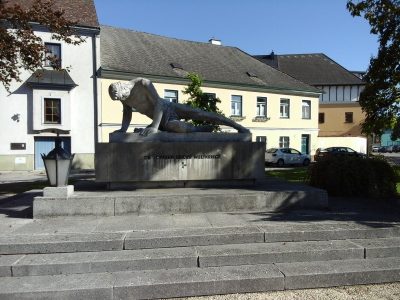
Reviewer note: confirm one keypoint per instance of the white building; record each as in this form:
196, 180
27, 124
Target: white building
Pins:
65, 100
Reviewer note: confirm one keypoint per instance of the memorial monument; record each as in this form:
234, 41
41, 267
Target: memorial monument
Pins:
171, 152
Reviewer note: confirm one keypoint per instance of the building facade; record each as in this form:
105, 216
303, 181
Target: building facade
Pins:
277, 109
50, 99
340, 114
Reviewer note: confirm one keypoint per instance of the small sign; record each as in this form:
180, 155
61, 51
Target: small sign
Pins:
18, 146
20, 160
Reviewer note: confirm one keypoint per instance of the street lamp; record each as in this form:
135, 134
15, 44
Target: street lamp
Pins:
57, 163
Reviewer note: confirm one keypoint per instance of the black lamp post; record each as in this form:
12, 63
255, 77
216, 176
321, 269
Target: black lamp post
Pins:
58, 163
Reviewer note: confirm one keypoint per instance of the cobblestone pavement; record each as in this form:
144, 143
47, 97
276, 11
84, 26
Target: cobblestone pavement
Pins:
389, 291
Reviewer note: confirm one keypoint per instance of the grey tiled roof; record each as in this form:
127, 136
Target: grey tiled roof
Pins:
314, 69
148, 54
83, 12
53, 78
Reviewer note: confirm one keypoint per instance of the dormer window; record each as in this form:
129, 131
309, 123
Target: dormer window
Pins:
53, 55
176, 66
251, 74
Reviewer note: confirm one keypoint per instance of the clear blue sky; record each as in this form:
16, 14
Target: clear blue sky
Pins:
255, 26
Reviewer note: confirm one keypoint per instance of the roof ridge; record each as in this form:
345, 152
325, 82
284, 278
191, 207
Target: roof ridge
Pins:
166, 37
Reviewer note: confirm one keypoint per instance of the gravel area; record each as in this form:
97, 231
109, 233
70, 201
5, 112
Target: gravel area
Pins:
389, 291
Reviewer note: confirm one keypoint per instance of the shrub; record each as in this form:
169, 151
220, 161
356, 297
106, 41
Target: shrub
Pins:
357, 177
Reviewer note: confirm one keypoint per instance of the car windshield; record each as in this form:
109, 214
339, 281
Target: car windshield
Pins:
294, 151
272, 150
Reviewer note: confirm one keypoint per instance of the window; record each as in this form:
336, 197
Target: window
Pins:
348, 117
52, 111
284, 109
262, 139
283, 142
171, 95
306, 109
321, 118
53, 55
261, 107
210, 96
236, 105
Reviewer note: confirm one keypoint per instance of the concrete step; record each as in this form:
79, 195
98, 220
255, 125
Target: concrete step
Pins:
185, 282
192, 257
97, 262
265, 196
256, 234
53, 243
252, 254
103, 241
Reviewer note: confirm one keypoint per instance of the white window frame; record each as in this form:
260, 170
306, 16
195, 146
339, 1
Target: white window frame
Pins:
44, 111
47, 63
171, 95
284, 111
306, 109
236, 105
284, 142
261, 109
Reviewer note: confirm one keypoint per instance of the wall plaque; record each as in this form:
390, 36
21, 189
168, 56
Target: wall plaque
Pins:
18, 146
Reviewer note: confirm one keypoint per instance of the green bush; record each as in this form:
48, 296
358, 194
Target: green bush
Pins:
357, 177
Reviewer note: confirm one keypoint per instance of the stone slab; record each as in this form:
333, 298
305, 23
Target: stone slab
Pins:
59, 191
324, 232
6, 261
72, 206
377, 248
178, 161
193, 237
107, 261
252, 254
303, 275
179, 201
196, 282
76, 286
51, 243
162, 136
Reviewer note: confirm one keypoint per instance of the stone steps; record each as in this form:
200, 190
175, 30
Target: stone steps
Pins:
192, 257
182, 282
105, 241
197, 261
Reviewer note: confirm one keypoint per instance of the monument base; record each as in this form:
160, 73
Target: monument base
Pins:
155, 163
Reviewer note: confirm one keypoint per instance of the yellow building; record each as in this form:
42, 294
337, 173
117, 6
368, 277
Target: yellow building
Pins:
340, 114
276, 108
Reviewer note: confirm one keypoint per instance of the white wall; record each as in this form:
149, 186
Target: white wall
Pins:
340, 93
78, 59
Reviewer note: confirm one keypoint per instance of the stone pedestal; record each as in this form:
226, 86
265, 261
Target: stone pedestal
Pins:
150, 163
58, 191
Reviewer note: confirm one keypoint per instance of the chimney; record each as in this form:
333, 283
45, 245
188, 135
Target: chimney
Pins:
272, 55
215, 41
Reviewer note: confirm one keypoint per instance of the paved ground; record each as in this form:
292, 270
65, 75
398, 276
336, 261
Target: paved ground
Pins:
16, 212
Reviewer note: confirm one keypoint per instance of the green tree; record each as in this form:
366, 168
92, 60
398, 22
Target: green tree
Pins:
380, 98
20, 48
200, 100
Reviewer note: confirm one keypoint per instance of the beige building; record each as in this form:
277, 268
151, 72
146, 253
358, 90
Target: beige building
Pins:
277, 108
340, 114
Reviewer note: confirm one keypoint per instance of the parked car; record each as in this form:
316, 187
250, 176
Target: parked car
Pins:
382, 149
286, 156
336, 151
375, 148
396, 148
389, 149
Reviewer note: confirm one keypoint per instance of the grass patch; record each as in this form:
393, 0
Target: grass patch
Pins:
298, 174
